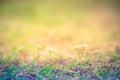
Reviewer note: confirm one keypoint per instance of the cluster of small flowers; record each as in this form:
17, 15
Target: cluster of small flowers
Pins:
40, 47
80, 47
51, 50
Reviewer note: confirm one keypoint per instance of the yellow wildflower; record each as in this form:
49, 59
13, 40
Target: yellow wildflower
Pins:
20, 49
40, 47
51, 50
80, 47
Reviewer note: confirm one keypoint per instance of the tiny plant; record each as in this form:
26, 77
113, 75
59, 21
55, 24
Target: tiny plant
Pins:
80, 50
51, 51
22, 52
40, 48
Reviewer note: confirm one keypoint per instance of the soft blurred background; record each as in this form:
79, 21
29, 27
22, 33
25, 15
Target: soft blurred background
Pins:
60, 24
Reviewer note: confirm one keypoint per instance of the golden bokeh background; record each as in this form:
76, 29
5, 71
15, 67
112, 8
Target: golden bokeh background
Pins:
60, 24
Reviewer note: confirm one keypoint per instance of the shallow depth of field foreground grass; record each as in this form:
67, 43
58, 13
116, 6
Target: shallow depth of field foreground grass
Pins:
59, 40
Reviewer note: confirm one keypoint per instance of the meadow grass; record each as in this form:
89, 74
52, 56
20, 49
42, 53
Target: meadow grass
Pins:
99, 66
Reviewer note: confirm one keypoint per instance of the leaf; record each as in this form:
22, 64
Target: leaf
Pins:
84, 78
38, 78
19, 78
